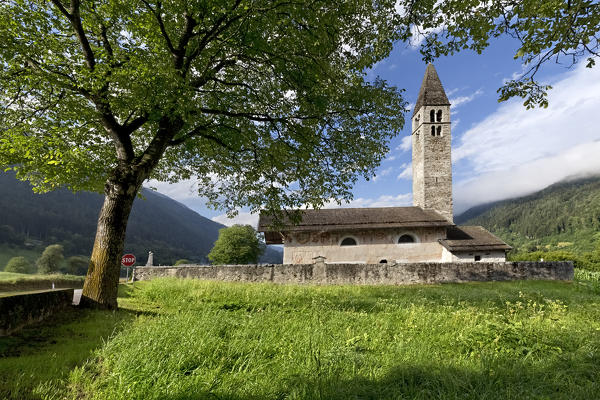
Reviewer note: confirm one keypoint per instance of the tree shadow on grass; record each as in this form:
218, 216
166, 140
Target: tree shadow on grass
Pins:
568, 379
48, 350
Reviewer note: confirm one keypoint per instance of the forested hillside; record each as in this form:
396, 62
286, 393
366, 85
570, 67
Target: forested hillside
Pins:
563, 216
157, 223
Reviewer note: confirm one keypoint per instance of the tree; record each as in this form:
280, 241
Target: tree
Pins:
238, 244
560, 31
182, 262
19, 265
49, 261
77, 265
265, 103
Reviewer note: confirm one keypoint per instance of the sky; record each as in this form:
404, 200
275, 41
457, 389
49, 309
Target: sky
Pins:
499, 150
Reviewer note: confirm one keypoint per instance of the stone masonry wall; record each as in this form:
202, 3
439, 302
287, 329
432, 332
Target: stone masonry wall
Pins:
19, 310
431, 161
366, 274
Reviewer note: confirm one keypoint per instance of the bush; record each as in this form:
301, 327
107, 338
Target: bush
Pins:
20, 265
238, 244
77, 265
50, 260
182, 261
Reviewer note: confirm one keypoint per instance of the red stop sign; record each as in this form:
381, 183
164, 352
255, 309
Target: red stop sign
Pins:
128, 260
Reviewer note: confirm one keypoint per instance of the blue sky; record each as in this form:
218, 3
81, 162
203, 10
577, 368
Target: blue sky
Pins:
499, 150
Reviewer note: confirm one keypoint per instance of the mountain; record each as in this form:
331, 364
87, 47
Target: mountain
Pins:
565, 215
157, 223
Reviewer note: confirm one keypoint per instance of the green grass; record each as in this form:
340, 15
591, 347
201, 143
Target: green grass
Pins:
36, 362
13, 282
210, 340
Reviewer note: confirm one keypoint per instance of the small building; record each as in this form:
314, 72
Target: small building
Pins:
424, 232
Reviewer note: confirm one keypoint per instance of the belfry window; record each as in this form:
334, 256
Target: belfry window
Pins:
432, 130
348, 242
406, 239
439, 116
439, 131
432, 116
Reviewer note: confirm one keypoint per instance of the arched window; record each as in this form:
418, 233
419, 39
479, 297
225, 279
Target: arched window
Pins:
439, 131
439, 116
432, 116
406, 239
384, 261
432, 130
348, 242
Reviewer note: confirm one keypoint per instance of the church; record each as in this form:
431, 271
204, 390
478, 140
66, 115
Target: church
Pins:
424, 232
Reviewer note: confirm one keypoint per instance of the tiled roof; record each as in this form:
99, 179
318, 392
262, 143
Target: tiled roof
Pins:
470, 238
432, 92
355, 218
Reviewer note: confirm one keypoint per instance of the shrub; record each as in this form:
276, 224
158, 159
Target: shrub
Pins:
50, 260
238, 244
20, 265
77, 265
182, 261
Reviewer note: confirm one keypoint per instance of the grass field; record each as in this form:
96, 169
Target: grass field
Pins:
186, 339
12, 282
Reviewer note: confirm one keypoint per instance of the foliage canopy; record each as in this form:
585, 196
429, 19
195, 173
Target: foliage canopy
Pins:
238, 244
18, 265
50, 260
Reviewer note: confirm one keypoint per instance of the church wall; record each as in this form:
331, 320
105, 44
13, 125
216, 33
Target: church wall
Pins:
373, 246
469, 256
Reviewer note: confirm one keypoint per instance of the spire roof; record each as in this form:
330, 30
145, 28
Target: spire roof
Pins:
432, 92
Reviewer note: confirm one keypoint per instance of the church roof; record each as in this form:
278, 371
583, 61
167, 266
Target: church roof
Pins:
472, 238
334, 219
432, 92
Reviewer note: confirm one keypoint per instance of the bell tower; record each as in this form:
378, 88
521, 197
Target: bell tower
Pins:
431, 139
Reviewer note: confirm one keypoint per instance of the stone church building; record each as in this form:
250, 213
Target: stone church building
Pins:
422, 233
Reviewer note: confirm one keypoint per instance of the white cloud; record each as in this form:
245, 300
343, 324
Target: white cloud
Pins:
399, 200
460, 100
243, 218
406, 172
382, 173
528, 177
405, 144
516, 151
514, 135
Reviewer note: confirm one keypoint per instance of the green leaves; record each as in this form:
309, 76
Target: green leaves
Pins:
238, 244
265, 103
555, 30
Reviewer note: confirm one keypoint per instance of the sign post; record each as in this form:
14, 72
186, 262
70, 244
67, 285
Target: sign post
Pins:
128, 260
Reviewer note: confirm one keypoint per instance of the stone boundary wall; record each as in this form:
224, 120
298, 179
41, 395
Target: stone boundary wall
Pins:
366, 274
23, 309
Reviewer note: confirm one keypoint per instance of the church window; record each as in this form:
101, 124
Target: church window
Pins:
406, 239
439, 116
432, 130
439, 131
477, 258
348, 241
384, 261
432, 116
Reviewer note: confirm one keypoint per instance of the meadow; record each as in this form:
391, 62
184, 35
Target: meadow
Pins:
189, 339
13, 282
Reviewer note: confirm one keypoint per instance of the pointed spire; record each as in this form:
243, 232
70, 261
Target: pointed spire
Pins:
432, 92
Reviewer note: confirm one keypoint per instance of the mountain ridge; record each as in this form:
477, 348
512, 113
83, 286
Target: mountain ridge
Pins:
564, 215
157, 223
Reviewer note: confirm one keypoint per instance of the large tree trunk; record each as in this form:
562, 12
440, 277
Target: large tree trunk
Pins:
102, 280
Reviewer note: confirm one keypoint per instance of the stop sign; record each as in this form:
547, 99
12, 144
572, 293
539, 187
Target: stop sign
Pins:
128, 260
